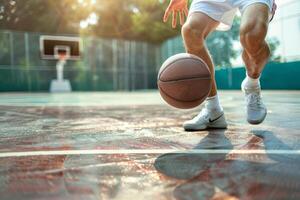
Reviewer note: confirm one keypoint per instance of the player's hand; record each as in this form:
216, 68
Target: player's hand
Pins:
177, 7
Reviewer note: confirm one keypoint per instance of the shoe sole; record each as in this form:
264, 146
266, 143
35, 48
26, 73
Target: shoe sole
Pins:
213, 125
208, 128
257, 122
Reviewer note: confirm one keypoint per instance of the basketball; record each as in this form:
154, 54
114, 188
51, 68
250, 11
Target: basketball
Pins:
184, 81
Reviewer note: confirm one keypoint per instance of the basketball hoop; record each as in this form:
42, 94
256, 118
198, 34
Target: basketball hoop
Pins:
62, 53
62, 57
52, 46
61, 49
60, 84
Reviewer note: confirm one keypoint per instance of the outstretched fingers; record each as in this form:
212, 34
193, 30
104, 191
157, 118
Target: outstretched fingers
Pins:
167, 14
181, 18
176, 8
186, 12
174, 20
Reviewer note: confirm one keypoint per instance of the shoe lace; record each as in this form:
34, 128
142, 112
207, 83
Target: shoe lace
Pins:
203, 114
254, 101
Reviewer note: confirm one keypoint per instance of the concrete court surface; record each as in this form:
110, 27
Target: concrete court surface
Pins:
132, 146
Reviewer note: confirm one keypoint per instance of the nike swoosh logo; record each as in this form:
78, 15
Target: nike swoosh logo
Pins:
211, 121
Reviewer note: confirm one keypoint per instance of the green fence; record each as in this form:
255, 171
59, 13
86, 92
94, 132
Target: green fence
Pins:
106, 65
172, 47
113, 65
280, 76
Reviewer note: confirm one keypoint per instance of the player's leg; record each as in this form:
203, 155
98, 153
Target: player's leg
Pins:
253, 31
194, 32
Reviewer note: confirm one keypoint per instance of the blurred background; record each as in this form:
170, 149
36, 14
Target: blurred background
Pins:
124, 43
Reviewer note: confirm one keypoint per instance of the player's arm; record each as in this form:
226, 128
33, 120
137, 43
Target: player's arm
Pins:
177, 7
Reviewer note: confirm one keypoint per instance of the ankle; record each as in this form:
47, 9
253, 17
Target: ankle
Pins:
250, 82
213, 104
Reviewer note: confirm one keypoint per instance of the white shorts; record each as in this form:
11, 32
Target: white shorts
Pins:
224, 11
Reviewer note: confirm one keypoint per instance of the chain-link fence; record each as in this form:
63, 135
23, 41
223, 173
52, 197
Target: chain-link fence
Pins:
110, 65
106, 64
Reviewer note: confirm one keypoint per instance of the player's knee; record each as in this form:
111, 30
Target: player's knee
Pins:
252, 36
193, 35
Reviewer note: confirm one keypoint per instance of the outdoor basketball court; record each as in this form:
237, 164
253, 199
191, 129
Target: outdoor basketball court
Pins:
81, 116
132, 145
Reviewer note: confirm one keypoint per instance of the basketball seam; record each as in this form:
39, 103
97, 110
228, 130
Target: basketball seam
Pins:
193, 78
199, 59
165, 93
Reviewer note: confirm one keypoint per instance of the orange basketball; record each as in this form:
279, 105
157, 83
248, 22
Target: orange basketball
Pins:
184, 81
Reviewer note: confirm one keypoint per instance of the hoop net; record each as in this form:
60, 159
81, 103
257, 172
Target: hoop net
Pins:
62, 56
62, 53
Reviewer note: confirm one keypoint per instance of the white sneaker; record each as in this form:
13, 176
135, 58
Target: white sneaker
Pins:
206, 120
256, 110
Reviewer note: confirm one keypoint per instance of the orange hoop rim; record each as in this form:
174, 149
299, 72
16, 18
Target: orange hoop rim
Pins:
62, 56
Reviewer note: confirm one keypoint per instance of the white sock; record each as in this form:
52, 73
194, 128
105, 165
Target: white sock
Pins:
213, 104
250, 83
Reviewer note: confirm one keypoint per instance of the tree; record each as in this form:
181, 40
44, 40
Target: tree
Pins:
125, 19
221, 43
273, 44
42, 15
147, 22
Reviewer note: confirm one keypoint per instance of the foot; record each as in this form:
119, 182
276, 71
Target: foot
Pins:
256, 110
206, 120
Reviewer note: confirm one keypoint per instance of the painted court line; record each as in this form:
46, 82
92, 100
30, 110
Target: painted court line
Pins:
145, 151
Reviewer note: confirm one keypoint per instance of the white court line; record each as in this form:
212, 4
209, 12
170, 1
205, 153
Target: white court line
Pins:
145, 151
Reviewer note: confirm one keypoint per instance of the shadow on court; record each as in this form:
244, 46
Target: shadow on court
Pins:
70, 146
235, 178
